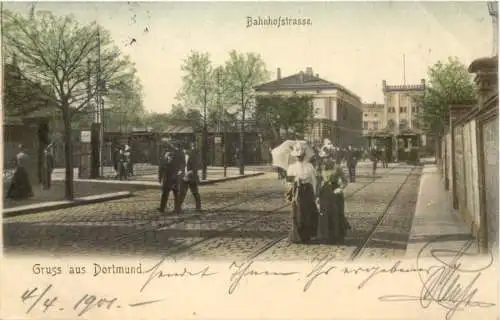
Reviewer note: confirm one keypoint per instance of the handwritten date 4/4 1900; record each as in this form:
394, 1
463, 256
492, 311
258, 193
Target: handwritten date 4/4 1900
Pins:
46, 299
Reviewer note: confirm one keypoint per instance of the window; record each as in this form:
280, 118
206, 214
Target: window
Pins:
402, 109
365, 125
414, 109
391, 109
375, 125
366, 115
375, 115
414, 123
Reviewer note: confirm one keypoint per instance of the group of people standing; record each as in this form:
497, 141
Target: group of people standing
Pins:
178, 173
316, 194
122, 161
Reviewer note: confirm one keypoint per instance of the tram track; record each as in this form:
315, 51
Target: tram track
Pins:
362, 246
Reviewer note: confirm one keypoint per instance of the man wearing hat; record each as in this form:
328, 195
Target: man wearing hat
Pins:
167, 177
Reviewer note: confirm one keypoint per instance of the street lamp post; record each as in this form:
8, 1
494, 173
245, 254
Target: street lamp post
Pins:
493, 10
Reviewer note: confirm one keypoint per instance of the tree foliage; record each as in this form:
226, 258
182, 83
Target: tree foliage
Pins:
243, 71
58, 56
448, 84
275, 114
199, 87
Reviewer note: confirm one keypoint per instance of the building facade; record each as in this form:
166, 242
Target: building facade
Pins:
337, 111
373, 117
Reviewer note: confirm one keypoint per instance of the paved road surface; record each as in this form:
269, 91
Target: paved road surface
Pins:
243, 218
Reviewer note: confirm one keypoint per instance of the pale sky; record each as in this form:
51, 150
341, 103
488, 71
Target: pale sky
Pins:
355, 44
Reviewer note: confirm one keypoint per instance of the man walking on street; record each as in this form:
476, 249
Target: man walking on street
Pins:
190, 177
48, 166
352, 161
167, 177
375, 158
384, 159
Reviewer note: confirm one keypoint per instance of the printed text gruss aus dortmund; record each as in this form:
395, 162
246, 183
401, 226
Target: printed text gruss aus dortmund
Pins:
277, 21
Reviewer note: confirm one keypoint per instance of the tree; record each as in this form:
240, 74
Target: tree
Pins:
199, 90
58, 56
243, 71
126, 105
276, 113
449, 83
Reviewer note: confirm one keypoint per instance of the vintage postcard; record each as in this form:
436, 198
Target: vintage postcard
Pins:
249, 160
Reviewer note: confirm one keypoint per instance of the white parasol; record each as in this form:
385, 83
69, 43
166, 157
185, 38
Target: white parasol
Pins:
282, 157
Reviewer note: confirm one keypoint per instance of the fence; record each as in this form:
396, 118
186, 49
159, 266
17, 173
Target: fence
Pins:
469, 157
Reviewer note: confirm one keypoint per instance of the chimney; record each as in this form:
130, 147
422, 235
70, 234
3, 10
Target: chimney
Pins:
309, 71
384, 84
317, 75
422, 82
278, 73
301, 76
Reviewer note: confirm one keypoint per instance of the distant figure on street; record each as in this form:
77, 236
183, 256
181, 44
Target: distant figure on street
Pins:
128, 159
20, 186
48, 166
122, 165
190, 177
374, 157
168, 178
384, 157
352, 162
116, 161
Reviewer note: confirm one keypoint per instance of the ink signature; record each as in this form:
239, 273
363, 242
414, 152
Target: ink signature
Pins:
243, 269
322, 267
449, 284
155, 273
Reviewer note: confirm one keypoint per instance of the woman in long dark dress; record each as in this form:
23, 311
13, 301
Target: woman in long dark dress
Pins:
302, 194
20, 186
333, 224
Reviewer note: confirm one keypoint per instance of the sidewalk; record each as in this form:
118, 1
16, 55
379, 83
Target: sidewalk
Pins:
214, 175
435, 217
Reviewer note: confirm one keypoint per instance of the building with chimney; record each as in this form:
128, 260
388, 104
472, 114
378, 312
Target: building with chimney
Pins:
337, 111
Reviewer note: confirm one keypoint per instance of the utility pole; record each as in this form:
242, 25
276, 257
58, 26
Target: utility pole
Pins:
222, 122
100, 102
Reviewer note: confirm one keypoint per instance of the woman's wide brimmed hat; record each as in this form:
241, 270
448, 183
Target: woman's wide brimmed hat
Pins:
298, 149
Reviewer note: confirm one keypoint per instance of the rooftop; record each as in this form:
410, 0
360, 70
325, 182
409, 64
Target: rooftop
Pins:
403, 87
302, 81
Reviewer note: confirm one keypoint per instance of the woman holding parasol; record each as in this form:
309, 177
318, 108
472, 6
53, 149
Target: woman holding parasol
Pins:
301, 177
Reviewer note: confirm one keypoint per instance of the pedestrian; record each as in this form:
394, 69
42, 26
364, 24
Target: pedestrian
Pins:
190, 176
116, 161
332, 224
122, 171
385, 158
352, 162
168, 178
374, 155
20, 186
302, 195
128, 159
48, 166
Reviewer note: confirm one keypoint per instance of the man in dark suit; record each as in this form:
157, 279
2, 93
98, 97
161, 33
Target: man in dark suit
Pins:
352, 162
167, 177
190, 177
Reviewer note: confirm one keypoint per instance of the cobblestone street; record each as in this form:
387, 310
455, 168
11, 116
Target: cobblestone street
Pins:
246, 218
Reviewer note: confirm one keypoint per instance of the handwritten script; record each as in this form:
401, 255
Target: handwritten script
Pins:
449, 283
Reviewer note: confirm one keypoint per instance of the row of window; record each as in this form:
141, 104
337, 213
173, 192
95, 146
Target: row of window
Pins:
375, 124
402, 109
